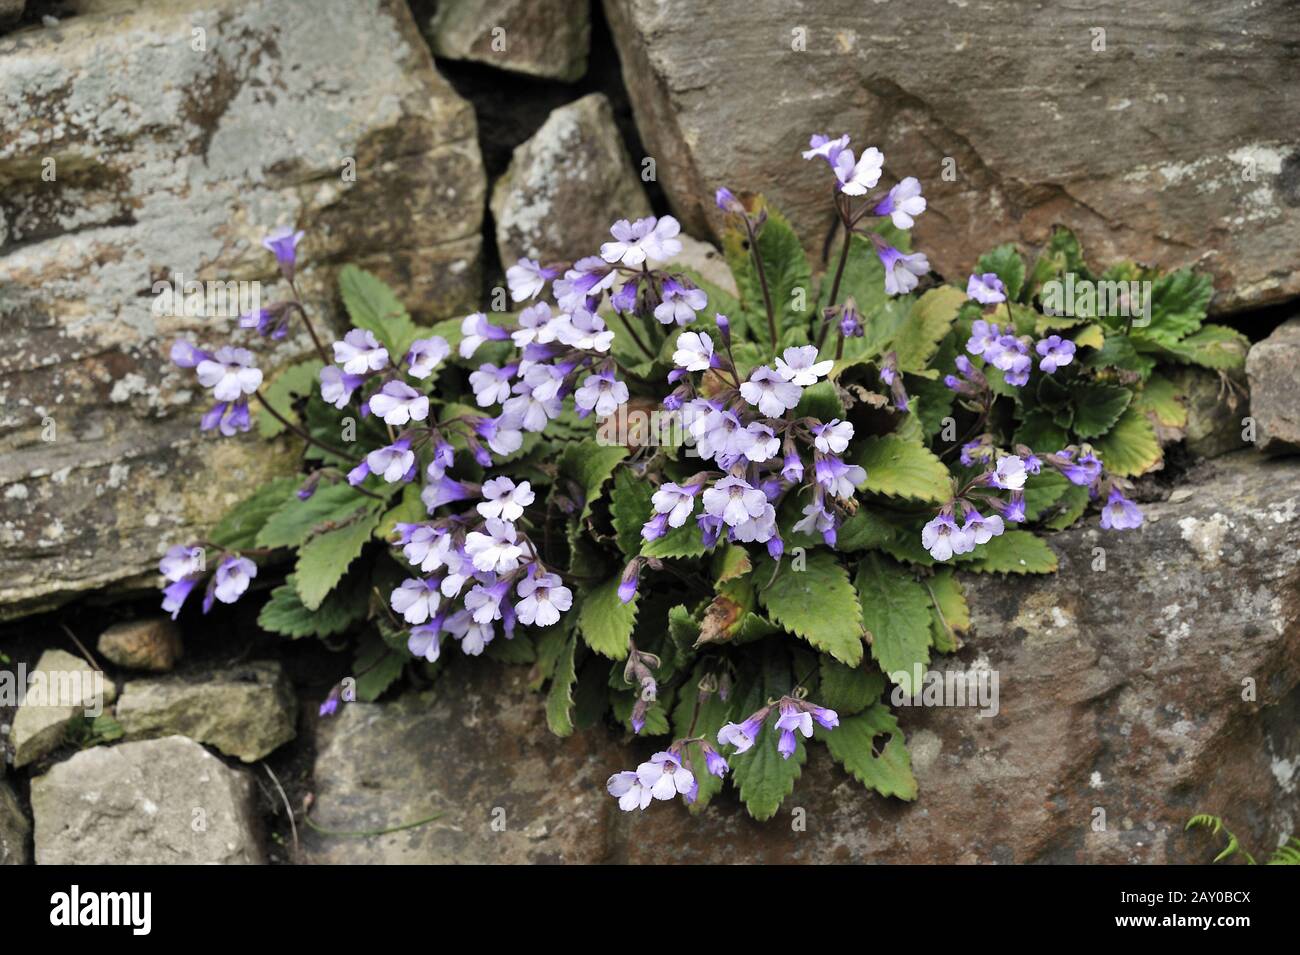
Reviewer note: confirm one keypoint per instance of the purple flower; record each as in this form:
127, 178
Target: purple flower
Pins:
901, 271
680, 303
710, 529
395, 462
714, 761
1084, 472
943, 538
283, 242
502, 433
817, 520
536, 324
827, 717
180, 562
601, 393
743, 735
857, 177
232, 578
504, 499
1056, 352
792, 468
1012, 511
229, 373
495, 549
903, 203
654, 528
792, 719
484, 600
526, 279
399, 404
267, 321
727, 201
1009, 474
491, 384
360, 353
175, 594
330, 705
983, 336
982, 529
825, 147
475, 329
186, 355
646, 239
1120, 514
694, 351
833, 437
542, 599
987, 289
423, 641
734, 501
336, 386
800, 366
675, 502
425, 355
665, 776
851, 324
839, 479
627, 788
624, 300
582, 285
416, 599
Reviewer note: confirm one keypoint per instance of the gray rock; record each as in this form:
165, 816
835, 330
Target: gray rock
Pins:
477, 752
1024, 110
245, 711
566, 185
62, 689
15, 830
1122, 711
166, 801
153, 644
1216, 404
1274, 397
548, 38
170, 163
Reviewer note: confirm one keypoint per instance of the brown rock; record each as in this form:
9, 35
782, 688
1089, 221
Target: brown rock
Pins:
1032, 122
547, 38
15, 830
1272, 367
130, 157
153, 644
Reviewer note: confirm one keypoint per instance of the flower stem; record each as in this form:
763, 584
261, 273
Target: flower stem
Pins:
311, 330
762, 282
299, 431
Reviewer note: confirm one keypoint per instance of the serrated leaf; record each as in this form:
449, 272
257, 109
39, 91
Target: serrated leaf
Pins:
684, 541
1006, 262
559, 698
590, 464
285, 614
292, 523
819, 401
1214, 346
789, 279
888, 770
240, 525
731, 562
629, 509
1178, 304
1160, 398
1013, 552
896, 613
817, 603
606, 622
1097, 407
763, 778
376, 667
374, 306
1119, 352
1131, 447
848, 690
928, 321
323, 560
902, 468
1042, 490
950, 612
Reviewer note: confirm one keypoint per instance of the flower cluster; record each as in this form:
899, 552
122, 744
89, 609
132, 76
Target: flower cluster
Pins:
671, 773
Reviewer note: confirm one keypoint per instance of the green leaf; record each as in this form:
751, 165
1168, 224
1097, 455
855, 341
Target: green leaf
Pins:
377, 667
286, 615
848, 690
1214, 346
629, 509
1131, 447
294, 521
1006, 262
816, 603
789, 279
886, 768
1042, 490
295, 381
409, 509
1097, 407
1014, 552
684, 541
605, 621
819, 401
1178, 304
1068, 509
763, 778
902, 468
559, 699
896, 612
590, 465
1160, 398
928, 322
374, 306
241, 524
1118, 352
324, 559
693, 717
951, 614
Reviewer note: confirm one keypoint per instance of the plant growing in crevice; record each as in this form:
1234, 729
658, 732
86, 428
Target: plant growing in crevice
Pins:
731, 522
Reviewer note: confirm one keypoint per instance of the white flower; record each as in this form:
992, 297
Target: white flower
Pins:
584, 330
903, 203
801, 367
665, 776
336, 387
763, 443
491, 384
504, 499
526, 279
771, 393
902, 271
601, 393
392, 461
425, 355
635, 242
399, 404
535, 325
694, 351
1010, 473
543, 598
832, 437
628, 790
735, 501
856, 178
495, 551
415, 600
229, 373
675, 501
360, 352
